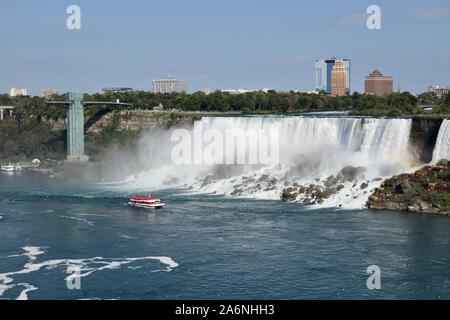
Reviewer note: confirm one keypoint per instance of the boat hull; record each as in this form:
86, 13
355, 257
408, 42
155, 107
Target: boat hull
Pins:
10, 168
147, 205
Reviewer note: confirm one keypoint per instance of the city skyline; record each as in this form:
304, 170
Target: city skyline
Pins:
257, 44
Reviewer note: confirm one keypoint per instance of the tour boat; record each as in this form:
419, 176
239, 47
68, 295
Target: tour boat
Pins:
146, 202
11, 168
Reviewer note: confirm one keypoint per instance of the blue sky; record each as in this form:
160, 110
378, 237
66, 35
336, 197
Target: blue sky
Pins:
219, 44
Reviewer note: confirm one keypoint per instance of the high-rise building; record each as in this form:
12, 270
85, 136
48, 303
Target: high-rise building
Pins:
14, 92
324, 67
47, 93
378, 84
169, 85
339, 79
440, 91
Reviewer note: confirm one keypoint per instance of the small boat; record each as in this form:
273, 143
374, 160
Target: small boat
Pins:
146, 202
11, 168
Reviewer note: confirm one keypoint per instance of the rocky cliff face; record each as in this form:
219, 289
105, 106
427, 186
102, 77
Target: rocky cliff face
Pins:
425, 191
130, 120
141, 119
424, 132
56, 125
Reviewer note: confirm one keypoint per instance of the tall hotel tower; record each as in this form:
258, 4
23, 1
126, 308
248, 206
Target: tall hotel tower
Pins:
339, 79
324, 79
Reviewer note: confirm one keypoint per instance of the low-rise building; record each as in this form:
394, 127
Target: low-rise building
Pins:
8, 109
14, 92
158, 108
48, 93
206, 91
440, 91
241, 91
117, 89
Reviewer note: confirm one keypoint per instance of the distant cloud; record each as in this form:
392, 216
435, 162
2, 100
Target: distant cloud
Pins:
354, 19
430, 14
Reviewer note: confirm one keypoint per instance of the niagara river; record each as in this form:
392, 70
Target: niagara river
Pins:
208, 247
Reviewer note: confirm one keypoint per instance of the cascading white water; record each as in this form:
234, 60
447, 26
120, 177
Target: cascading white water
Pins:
366, 139
310, 150
386, 138
442, 148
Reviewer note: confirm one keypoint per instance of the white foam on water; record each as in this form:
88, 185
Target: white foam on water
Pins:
167, 261
126, 236
24, 293
87, 267
79, 219
93, 215
30, 252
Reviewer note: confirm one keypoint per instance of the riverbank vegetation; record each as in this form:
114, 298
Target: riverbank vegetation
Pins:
30, 138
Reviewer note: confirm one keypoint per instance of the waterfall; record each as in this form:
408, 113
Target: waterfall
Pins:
312, 150
373, 138
442, 148
387, 137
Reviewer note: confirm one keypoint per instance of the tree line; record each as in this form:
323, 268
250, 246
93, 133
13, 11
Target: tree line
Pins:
396, 104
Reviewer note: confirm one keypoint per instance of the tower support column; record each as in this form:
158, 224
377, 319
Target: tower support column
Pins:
75, 128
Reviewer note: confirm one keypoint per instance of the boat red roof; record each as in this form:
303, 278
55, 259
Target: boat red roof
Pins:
143, 198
